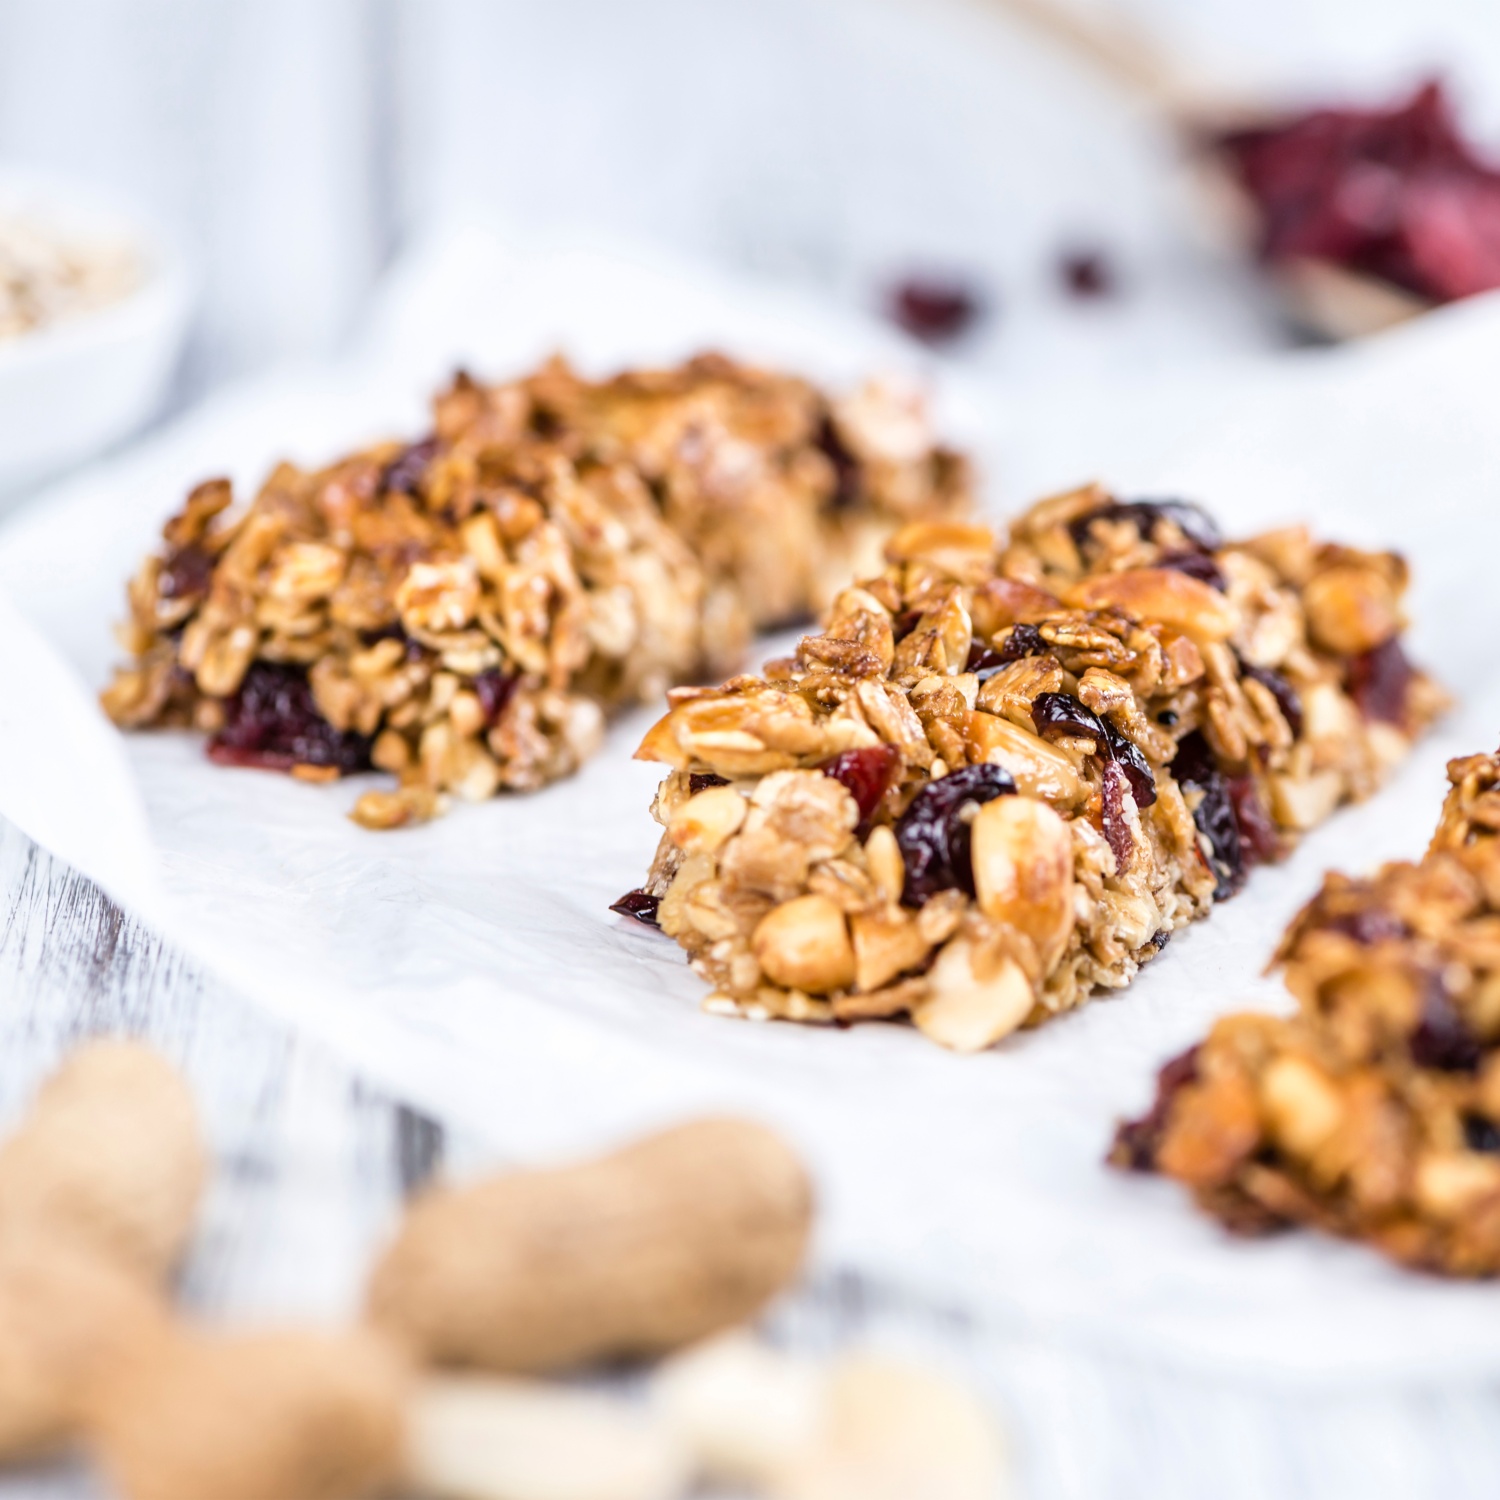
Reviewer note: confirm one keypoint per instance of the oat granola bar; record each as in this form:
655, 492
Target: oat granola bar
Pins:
1005, 773
463, 611
1374, 1111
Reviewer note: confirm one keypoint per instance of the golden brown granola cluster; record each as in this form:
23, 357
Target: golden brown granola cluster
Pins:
1006, 773
1374, 1111
463, 611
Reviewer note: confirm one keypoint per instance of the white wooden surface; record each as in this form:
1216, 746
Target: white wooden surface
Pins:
312, 1167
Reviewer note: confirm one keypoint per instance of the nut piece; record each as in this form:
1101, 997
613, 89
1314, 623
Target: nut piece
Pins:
109, 1157
1303, 1108
1351, 609
491, 1438
1162, 595
674, 1238
1023, 871
67, 1315
744, 1410
968, 1014
704, 821
273, 1416
895, 1432
804, 944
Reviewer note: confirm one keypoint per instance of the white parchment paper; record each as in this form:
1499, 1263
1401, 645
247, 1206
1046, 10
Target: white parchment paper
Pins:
473, 965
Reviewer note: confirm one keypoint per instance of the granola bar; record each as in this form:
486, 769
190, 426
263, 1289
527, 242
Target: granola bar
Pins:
463, 611
1373, 1111
1006, 772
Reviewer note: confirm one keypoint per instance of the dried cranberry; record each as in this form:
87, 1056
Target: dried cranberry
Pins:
847, 482
700, 781
1481, 1133
641, 905
1199, 565
866, 774
1260, 843
1060, 714
273, 723
1442, 1039
186, 573
1137, 1141
1392, 193
1379, 682
1195, 523
1195, 769
1023, 640
1116, 825
1368, 925
933, 835
495, 689
906, 622
934, 309
1086, 273
1282, 691
403, 476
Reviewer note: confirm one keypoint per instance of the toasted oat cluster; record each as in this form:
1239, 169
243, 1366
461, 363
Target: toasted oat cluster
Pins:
1006, 773
463, 611
1374, 1111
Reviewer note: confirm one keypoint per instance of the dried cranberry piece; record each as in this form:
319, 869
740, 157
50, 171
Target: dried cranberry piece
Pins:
934, 309
495, 689
906, 622
1191, 520
1481, 1133
933, 835
403, 475
1195, 769
1023, 640
866, 774
1058, 714
1442, 1038
1260, 843
273, 723
186, 573
700, 781
1393, 193
1287, 699
1116, 826
847, 475
641, 905
1137, 1141
1086, 273
1379, 682
1199, 565
1368, 925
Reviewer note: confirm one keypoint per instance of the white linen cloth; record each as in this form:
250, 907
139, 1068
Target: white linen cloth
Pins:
472, 964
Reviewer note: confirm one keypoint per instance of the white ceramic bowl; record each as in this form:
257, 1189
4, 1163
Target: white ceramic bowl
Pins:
74, 387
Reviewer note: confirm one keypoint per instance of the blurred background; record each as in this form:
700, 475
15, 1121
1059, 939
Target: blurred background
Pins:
295, 147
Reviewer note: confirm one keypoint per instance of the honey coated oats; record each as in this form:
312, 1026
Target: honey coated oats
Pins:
462, 612
1006, 772
1374, 1111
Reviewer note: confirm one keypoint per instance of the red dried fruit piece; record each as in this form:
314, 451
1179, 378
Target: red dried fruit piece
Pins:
1087, 274
1282, 691
1199, 565
1393, 193
1260, 843
700, 781
1060, 714
866, 774
933, 309
641, 905
1137, 1141
186, 573
273, 723
1379, 682
403, 476
1023, 640
933, 834
495, 689
1442, 1038
1195, 523
1116, 827
1195, 769
848, 478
